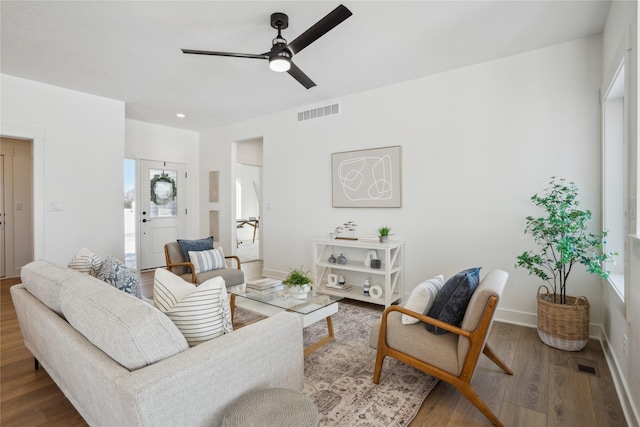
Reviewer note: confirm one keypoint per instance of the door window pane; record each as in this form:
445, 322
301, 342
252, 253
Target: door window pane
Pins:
164, 190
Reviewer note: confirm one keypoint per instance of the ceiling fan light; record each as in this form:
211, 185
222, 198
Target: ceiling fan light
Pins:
280, 64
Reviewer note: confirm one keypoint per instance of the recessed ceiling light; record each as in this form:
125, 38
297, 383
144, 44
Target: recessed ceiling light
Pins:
181, 115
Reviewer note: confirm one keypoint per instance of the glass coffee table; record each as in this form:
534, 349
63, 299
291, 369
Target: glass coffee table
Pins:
311, 309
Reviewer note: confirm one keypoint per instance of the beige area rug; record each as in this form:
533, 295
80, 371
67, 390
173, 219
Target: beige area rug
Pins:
339, 375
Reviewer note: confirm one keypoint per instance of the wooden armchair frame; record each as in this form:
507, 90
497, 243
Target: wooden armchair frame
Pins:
462, 382
194, 276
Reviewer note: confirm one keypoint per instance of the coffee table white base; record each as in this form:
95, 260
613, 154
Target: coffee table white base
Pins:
307, 319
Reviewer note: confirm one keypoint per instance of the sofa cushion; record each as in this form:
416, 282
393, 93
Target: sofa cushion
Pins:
118, 275
422, 298
452, 300
130, 331
200, 312
213, 259
195, 245
43, 280
86, 262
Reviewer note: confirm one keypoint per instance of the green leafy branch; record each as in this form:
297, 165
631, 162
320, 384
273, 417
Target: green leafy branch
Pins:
563, 238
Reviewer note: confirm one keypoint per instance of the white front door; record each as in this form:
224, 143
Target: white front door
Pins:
163, 209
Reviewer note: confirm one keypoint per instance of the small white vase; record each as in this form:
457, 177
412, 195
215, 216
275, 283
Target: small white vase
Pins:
299, 292
371, 254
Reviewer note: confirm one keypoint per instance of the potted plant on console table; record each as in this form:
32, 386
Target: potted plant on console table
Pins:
563, 240
299, 283
384, 234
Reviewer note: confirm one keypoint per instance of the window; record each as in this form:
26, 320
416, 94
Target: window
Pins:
130, 212
615, 176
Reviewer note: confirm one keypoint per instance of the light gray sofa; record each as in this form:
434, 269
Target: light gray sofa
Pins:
120, 361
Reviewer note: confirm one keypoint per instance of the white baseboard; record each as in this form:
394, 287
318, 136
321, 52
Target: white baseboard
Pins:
519, 318
530, 320
274, 273
631, 413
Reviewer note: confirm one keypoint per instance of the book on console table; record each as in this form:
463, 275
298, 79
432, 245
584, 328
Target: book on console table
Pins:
338, 287
369, 239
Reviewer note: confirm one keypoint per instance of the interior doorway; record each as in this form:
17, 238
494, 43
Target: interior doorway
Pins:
248, 187
16, 205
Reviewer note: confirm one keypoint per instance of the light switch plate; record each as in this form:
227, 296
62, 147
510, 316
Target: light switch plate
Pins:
56, 206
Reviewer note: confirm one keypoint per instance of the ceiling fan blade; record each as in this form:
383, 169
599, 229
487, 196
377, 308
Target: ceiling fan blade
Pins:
232, 54
301, 77
319, 29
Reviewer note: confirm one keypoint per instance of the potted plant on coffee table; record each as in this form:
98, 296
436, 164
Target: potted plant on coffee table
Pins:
298, 282
563, 241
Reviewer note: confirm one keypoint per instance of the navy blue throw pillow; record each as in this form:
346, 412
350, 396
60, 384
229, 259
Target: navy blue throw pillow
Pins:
195, 245
452, 300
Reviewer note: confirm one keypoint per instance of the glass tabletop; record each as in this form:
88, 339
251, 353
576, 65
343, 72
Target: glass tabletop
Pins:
283, 299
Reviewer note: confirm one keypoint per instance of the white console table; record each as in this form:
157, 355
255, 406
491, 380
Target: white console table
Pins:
389, 276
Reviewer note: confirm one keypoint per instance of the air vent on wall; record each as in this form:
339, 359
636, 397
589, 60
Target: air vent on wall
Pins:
315, 113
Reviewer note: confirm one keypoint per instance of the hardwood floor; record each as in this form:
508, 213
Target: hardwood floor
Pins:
547, 388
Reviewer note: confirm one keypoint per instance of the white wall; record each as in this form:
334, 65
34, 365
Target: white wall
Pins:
476, 142
620, 321
78, 152
81, 141
149, 141
249, 152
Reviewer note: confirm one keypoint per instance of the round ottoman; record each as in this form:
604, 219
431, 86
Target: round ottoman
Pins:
279, 407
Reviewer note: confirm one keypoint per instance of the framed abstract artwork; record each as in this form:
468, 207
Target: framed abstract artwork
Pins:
369, 178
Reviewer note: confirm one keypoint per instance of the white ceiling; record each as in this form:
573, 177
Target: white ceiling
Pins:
130, 50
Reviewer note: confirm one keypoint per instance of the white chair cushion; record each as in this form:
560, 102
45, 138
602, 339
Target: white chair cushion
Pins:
201, 313
422, 298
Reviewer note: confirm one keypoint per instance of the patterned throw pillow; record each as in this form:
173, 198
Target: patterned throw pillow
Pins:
201, 313
86, 262
212, 259
118, 275
452, 300
422, 298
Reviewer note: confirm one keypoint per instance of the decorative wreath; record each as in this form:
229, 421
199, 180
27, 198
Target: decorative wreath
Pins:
165, 197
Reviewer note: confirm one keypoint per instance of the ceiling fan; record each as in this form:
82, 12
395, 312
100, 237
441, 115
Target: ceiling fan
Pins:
281, 53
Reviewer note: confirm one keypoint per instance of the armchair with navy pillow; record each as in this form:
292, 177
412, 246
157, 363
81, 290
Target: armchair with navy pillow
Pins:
197, 261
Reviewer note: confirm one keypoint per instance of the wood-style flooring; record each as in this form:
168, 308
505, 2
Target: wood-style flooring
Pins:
547, 388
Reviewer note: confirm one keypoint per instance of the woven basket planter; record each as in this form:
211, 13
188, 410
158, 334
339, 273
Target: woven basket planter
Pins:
563, 326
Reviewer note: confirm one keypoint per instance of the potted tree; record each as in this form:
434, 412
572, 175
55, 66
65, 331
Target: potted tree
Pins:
298, 282
563, 241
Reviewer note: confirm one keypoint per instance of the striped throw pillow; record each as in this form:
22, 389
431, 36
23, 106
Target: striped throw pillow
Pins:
201, 313
212, 259
86, 262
